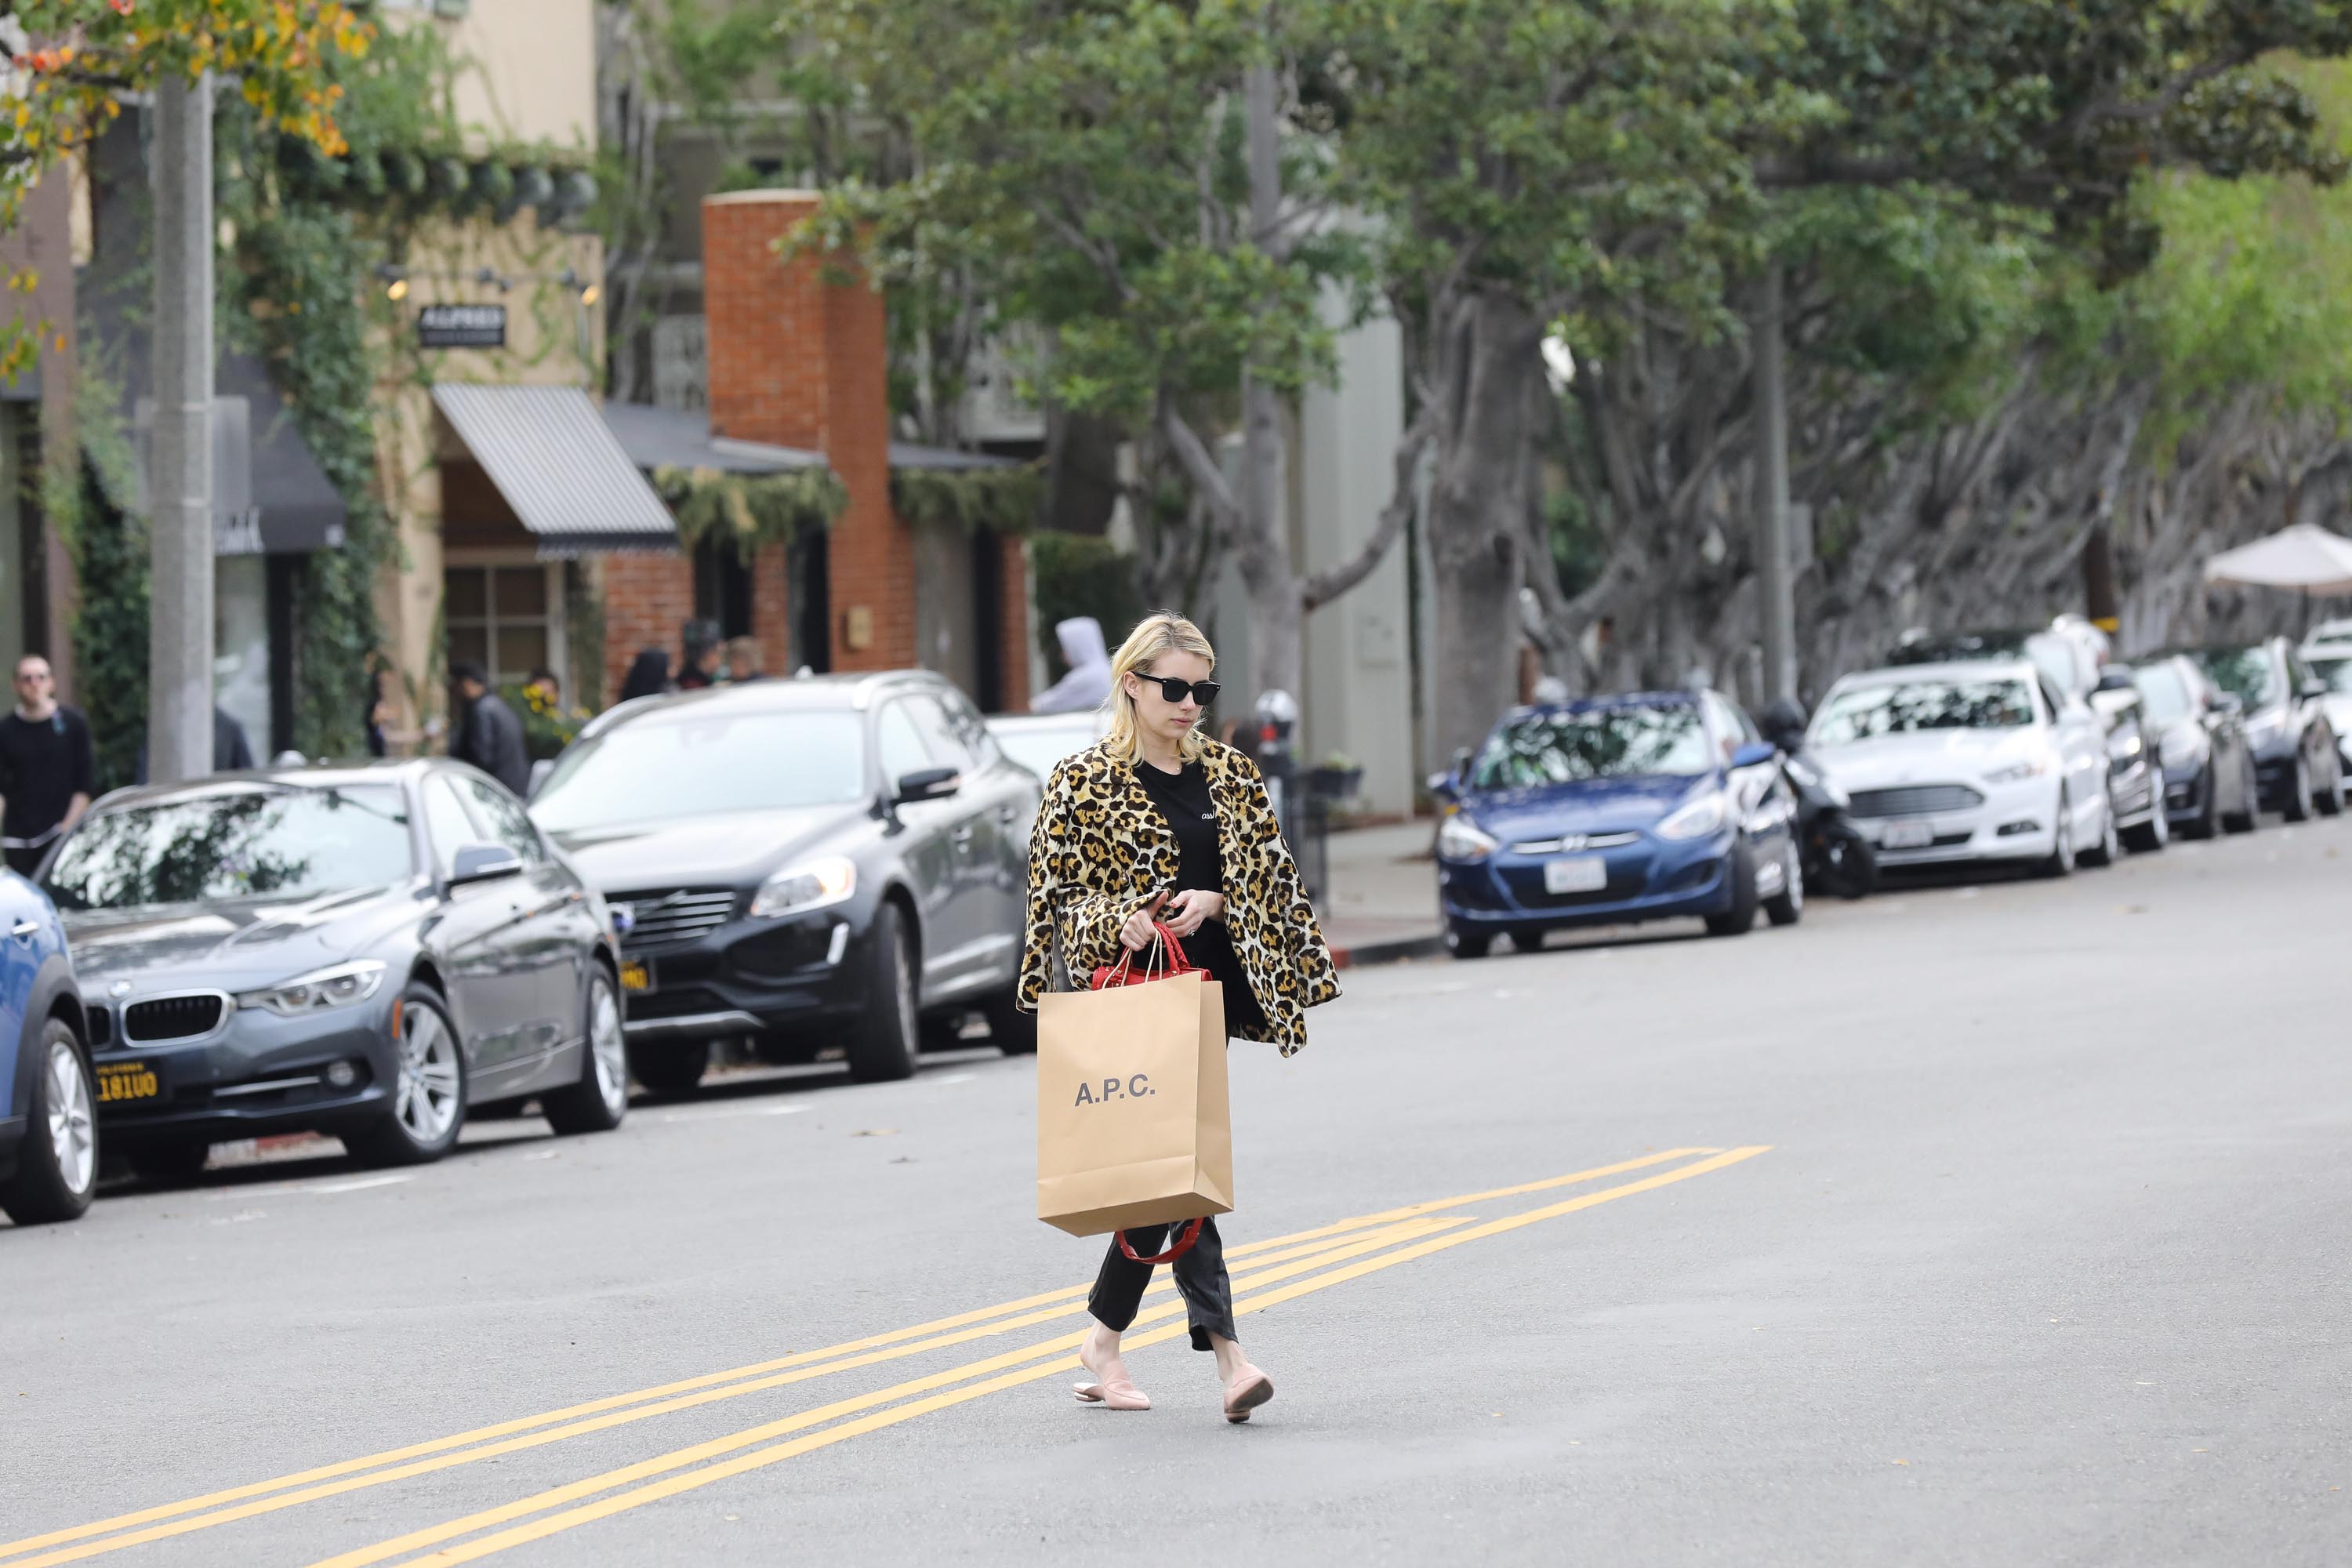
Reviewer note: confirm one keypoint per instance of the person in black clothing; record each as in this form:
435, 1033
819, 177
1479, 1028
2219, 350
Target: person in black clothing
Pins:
379, 713
489, 735
231, 750
46, 767
647, 677
700, 667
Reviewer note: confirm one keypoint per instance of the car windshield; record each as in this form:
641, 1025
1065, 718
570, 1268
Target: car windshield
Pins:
2248, 674
1039, 749
2165, 690
1896, 708
291, 842
1598, 743
700, 763
2337, 672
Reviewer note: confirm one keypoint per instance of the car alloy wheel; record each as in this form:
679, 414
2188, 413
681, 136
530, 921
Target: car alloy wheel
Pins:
426, 1099
610, 1051
73, 1130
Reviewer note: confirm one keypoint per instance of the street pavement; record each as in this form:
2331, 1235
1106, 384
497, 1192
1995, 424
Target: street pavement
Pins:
1991, 1224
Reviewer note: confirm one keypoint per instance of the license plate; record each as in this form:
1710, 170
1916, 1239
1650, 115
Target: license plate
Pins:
1907, 835
636, 975
119, 1081
1577, 874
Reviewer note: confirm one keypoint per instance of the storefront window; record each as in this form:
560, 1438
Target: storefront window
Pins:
505, 619
241, 645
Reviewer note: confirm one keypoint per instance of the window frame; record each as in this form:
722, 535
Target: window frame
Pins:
555, 618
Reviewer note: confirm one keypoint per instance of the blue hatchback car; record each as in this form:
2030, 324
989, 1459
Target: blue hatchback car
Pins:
48, 1096
1653, 806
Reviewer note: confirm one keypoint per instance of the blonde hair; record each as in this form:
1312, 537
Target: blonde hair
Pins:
1164, 632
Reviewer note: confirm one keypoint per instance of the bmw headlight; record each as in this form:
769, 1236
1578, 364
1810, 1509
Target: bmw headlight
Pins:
2018, 773
809, 887
1693, 820
1458, 838
337, 987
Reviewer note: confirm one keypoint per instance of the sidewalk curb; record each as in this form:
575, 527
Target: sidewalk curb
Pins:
1393, 949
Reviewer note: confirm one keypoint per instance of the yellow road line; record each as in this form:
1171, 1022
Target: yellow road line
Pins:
1315, 1257
538, 1530
797, 1359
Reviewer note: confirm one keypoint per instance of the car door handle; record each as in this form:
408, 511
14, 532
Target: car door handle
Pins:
25, 931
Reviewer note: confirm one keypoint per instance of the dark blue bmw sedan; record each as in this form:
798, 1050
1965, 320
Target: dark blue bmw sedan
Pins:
1653, 806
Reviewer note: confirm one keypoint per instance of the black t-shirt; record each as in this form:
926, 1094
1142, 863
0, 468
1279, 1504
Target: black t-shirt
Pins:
44, 763
1183, 799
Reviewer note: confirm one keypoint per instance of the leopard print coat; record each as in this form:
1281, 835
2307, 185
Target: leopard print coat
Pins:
1101, 849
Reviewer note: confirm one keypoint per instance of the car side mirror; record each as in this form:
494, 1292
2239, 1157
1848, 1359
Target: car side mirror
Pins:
2114, 677
2315, 687
1753, 754
539, 772
1461, 766
483, 863
928, 784
1444, 787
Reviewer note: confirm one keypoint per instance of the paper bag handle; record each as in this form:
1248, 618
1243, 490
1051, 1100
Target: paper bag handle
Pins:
1118, 973
1183, 1244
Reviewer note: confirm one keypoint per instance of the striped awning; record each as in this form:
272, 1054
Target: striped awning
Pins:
552, 458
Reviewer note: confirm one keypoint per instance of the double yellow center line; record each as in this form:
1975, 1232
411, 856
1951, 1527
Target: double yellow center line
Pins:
1343, 1251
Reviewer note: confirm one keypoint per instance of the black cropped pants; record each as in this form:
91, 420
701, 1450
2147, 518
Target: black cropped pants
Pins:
1201, 1279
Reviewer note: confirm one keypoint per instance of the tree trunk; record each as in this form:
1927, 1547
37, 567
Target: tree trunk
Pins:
1483, 359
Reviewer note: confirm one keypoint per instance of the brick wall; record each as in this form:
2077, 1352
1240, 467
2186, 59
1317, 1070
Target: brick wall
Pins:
647, 598
797, 360
1013, 639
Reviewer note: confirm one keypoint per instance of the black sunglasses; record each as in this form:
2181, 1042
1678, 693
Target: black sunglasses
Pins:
1174, 688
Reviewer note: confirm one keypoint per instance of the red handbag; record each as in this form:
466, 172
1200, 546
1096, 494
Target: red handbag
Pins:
1122, 974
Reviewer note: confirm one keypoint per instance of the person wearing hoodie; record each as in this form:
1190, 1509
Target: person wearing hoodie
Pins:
1088, 683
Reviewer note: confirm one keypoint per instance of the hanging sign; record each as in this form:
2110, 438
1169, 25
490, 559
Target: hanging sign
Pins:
462, 327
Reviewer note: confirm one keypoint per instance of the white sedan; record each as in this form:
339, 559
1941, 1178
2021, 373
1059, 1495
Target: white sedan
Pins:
1976, 761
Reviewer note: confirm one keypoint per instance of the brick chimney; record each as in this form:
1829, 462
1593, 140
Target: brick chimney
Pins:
796, 360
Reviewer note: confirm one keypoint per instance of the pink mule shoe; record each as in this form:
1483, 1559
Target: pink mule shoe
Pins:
1248, 1389
1112, 1393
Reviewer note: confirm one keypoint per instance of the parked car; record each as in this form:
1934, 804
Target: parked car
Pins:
48, 1092
2297, 760
366, 952
1655, 805
2329, 639
1038, 741
2331, 663
1973, 761
2135, 762
2209, 769
805, 862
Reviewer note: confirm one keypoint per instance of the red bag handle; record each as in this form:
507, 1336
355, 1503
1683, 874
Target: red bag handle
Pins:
1183, 1246
1119, 973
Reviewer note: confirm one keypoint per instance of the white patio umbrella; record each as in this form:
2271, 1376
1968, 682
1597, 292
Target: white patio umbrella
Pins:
2306, 558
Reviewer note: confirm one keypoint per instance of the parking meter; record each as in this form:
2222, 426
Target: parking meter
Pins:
1277, 718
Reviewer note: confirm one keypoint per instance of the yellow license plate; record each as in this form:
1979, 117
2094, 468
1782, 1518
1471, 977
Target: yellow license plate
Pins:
637, 974
126, 1080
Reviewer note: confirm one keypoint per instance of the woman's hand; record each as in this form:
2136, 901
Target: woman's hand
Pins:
1192, 909
1136, 934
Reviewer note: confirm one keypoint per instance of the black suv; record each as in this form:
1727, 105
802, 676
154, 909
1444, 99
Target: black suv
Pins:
808, 863
2295, 755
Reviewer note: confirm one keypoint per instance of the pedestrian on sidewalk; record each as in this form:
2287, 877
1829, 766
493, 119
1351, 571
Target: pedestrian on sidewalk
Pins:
1158, 822
46, 767
488, 734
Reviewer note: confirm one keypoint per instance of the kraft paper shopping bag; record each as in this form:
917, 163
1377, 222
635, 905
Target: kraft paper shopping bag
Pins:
1133, 1123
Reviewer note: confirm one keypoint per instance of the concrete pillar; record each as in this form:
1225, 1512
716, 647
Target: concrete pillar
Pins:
1359, 696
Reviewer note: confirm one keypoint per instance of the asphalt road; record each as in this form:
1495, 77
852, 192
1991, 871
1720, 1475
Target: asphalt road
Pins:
1998, 1224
